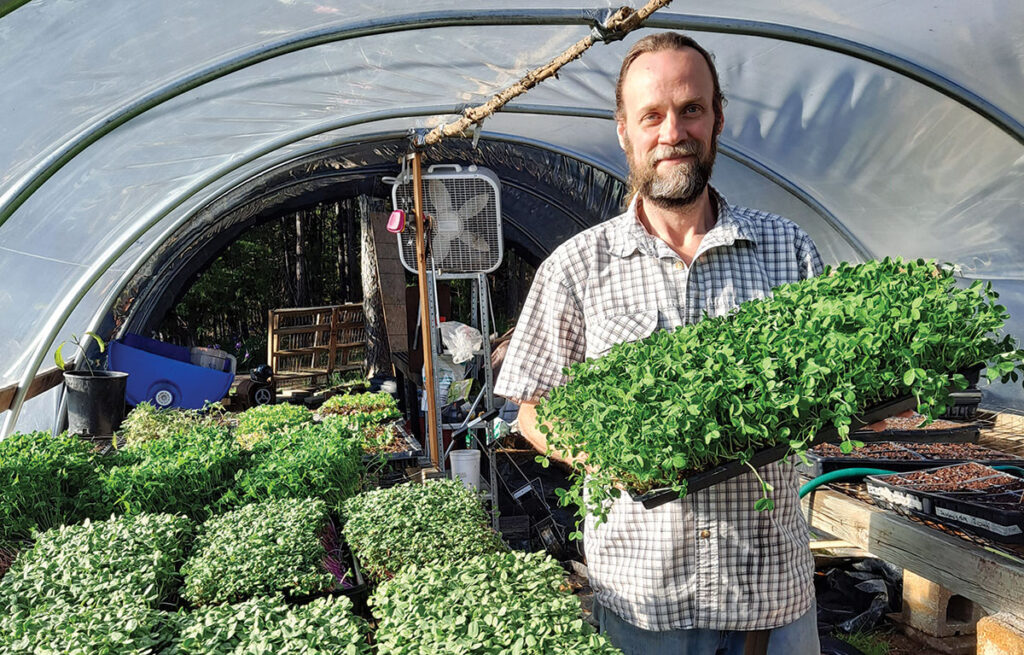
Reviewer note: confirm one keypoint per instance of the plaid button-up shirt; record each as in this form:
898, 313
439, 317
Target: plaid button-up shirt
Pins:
708, 560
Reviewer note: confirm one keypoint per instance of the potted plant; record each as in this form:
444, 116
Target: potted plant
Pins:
95, 396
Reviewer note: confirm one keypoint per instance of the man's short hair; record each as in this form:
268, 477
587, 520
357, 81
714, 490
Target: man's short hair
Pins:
667, 41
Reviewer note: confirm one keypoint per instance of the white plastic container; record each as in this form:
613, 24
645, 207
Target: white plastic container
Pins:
466, 467
213, 358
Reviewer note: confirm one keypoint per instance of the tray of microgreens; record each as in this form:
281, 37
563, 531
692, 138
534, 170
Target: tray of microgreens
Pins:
772, 378
439, 521
285, 546
498, 603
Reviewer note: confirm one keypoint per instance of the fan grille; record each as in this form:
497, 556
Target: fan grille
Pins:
464, 236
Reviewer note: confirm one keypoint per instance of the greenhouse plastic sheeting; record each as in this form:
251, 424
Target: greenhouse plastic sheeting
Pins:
889, 128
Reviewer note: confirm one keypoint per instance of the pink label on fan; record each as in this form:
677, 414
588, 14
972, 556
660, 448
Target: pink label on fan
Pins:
396, 222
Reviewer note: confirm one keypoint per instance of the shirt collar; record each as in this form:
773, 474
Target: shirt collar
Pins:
631, 235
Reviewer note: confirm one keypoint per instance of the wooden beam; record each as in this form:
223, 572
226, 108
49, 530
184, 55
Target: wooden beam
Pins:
317, 329
292, 311
42, 383
992, 579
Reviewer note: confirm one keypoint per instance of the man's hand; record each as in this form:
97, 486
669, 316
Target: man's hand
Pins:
531, 431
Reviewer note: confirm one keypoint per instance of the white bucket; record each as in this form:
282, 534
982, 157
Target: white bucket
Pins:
466, 467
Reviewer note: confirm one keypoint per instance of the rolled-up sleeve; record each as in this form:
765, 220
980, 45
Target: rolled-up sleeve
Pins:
807, 257
548, 337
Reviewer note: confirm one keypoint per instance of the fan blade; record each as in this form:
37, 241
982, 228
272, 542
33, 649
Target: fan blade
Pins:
438, 197
440, 248
474, 205
475, 241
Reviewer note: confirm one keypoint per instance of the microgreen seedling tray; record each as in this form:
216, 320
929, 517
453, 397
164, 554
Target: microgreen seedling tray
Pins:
967, 433
997, 515
910, 460
704, 479
413, 450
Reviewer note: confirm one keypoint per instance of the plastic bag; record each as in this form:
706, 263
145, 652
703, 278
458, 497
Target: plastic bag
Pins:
447, 372
461, 340
854, 594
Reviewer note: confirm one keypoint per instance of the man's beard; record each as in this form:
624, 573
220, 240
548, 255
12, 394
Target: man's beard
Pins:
683, 184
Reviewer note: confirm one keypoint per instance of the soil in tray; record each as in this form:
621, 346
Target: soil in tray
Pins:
377, 433
877, 450
958, 478
892, 450
913, 421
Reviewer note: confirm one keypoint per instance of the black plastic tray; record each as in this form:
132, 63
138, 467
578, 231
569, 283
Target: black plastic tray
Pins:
822, 464
965, 404
704, 479
968, 510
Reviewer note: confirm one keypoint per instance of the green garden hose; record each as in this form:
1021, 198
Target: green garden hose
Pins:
840, 474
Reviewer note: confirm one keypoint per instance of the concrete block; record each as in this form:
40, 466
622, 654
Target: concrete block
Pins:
954, 645
1000, 634
935, 610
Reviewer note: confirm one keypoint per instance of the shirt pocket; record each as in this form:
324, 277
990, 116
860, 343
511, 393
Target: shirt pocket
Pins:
606, 331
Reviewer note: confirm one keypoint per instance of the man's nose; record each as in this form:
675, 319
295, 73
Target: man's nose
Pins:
671, 131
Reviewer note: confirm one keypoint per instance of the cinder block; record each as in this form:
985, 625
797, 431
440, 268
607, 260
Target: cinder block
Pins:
935, 610
955, 645
1000, 634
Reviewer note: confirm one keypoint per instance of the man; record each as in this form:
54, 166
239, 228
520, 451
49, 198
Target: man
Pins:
694, 575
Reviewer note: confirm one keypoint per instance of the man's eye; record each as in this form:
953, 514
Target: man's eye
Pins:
693, 109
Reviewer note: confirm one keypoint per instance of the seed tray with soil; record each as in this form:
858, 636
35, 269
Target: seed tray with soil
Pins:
401, 446
902, 456
908, 427
704, 479
970, 496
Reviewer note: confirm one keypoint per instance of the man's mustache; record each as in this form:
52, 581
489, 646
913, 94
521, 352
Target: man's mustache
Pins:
685, 149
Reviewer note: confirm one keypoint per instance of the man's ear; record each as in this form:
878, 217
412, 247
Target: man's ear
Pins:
620, 130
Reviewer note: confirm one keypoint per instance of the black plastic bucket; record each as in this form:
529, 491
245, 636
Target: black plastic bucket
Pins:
95, 402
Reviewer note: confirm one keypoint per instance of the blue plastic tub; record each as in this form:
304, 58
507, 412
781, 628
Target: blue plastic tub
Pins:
162, 373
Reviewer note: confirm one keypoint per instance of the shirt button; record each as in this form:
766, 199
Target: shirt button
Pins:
704, 534
680, 266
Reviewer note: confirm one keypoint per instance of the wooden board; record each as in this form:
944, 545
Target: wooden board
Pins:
42, 383
991, 579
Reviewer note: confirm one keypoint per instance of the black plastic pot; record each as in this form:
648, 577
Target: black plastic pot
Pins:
95, 402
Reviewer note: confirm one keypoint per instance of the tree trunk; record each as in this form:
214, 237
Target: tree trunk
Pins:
301, 283
341, 283
287, 277
355, 291
378, 352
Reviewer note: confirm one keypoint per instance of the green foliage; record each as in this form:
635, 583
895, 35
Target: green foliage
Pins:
311, 461
268, 625
81, 346
130, 560
146, 422
182, 472
362, 408
439, 521
777, 371
41, 482
61, 628
260, 549
259, 423
500, 603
